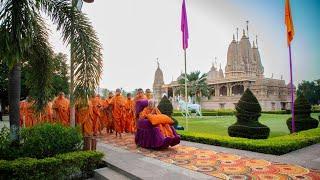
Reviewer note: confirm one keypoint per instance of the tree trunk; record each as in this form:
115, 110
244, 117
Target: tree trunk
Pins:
14, 98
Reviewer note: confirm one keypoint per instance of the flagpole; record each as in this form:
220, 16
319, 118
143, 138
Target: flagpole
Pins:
292, 92
186, 87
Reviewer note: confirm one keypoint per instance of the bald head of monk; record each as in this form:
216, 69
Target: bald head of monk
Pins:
151, 104
129, 96
140, 92
61, 95
118, 92
110, 95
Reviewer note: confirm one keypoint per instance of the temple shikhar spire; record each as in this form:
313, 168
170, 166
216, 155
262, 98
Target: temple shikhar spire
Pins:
158, 63
237, 34
247, 28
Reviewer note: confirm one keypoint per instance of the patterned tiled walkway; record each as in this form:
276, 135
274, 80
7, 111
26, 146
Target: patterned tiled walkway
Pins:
217, 164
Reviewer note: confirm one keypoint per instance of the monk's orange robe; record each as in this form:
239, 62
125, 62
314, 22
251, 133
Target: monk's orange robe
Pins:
165, 129
104, 120
118, 103
110, 124
84, 118
96, 105
47, 114
61, 110
129, 116
27, 115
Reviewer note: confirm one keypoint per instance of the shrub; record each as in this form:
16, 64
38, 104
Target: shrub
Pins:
7, 149
277, 112
46, 140
275, 145
248, 111
63, 166
165, 106
219, 112
302, 118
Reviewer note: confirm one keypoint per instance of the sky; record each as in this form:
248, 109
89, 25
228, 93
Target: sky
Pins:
134, 33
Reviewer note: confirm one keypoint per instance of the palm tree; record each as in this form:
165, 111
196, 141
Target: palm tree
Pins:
24, 39
196, 83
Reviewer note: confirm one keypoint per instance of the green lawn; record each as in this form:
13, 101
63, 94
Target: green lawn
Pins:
219, 125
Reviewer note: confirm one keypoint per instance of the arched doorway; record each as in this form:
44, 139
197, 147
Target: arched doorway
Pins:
223, 91
237, 89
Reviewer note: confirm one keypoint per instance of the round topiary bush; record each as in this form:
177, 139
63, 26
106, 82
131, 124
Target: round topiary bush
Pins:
248, 111
302, 118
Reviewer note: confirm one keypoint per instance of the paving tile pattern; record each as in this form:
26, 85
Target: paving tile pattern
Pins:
216, 164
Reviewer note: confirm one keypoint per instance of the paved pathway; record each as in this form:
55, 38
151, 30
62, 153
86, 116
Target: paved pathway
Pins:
198, 161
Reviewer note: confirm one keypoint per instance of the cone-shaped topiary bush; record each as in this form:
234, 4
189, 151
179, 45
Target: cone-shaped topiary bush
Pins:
248, 111
302, 118
165, 107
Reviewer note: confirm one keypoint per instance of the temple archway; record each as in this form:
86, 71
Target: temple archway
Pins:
237, 90
223, 91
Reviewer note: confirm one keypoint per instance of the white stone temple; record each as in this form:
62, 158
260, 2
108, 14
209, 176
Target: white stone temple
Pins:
244, 69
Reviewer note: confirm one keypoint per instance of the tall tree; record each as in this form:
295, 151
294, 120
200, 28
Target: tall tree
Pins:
311, 90
60, 79
196, 84
24, 39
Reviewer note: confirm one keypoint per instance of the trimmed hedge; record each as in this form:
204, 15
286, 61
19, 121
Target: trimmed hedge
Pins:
46, 140
276, 145
277, 112
40, 141
209, 113
78, 164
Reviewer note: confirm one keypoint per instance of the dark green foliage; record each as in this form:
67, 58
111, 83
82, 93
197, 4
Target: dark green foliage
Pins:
62, 166
60, 79
210, 113
165, 106
303, 119
311, 90
7, 149
275, 145
197, 84
277, 112
248, 111
47, 140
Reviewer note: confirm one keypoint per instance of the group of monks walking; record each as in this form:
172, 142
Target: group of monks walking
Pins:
116, 113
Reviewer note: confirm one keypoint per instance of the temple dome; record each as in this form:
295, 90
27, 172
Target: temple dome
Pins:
158, 76
247, 54
235, 64
257, 59
213, 74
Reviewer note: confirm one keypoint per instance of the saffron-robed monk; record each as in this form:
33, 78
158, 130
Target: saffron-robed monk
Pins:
61, 110
117, 103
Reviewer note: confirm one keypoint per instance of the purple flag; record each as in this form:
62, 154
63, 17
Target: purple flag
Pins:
184, 26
